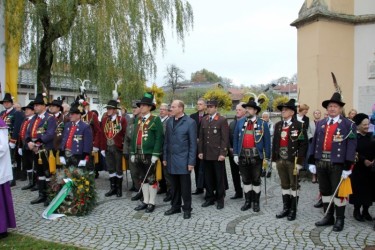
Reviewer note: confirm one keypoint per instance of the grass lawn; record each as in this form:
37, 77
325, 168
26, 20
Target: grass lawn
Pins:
19, 241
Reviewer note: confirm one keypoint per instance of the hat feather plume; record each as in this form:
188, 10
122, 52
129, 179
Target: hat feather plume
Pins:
335, 84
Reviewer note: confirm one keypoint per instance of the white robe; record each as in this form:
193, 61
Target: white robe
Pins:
5, 161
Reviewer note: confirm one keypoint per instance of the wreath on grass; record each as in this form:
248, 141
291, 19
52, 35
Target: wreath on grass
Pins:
82, 198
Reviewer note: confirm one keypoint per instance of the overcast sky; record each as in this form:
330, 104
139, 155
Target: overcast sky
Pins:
248, 41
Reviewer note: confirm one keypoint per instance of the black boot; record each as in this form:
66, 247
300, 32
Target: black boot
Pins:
256, 197
357, 214
31, 182
340, 218
248, 200
328, 220
42, 193
293, 208
286, 207
113, 190
319, 203
168, 197
365, 214
119, 187
138, 196
13, 182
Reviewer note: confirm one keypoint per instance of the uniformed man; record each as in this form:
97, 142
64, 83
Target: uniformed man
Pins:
212, 149
39, 139
199, 168
288, 154
56, 109
146, 148
91, 119
13, 119
333, 151
113, 131
251, 145
23, 150
76, 143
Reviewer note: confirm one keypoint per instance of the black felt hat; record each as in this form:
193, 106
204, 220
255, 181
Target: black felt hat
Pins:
113, 104
147, 99
251, 103
291, 104
211, 103
40, 99
77, 108
57, 103
7, 98
29, 106
336, 98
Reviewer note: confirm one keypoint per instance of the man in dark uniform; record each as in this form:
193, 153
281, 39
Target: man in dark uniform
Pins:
199, 169
76, 144
288, 154
39, 138
23, 150
251, 145
13, 119
56, 109
333, 151
212, 149
146, 148
134, 172
235, 171
113, 131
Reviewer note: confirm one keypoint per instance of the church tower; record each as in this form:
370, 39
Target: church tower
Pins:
336, 36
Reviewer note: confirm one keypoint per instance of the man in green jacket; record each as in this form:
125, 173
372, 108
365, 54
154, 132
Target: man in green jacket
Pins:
146, 148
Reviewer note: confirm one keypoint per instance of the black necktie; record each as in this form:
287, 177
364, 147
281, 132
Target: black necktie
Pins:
331, 122
285, 124
143, 119
210, 118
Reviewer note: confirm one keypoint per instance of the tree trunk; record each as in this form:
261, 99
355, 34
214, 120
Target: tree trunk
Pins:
44, 66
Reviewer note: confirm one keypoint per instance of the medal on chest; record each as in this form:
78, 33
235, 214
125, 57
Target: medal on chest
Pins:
338, 136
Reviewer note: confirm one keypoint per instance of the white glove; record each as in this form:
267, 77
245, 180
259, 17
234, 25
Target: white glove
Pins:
235, 159
12, 145
273, 164
312, 168
95, 149
154, 159
132, 158
103, 153
20, 151
62, 160
82, 163
346, 173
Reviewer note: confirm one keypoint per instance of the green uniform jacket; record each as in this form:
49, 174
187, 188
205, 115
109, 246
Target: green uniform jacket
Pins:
152, 136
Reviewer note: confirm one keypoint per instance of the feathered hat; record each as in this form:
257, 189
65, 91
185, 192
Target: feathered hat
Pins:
255, 101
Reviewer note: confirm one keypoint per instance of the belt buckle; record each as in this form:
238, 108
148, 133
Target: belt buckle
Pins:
110, 142
68, 153
283, 153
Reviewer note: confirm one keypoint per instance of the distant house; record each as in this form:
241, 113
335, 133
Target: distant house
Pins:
289, 90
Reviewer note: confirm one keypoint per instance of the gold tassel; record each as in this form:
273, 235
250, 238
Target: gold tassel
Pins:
124, 164
52, 162
40, 162
345, 188
96, 157
58, 158
159, 172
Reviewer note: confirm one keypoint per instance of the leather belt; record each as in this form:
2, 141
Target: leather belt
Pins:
326, 156
110, 142
249, 152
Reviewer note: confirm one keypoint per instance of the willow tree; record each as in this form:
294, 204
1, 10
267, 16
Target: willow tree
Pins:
100, 40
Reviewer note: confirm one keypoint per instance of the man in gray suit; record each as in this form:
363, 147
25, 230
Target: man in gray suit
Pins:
180, 149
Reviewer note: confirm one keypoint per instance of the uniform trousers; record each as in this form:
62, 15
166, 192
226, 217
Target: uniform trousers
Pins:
181, 185
214, 178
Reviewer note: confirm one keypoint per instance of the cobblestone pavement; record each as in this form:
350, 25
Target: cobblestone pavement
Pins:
114, 224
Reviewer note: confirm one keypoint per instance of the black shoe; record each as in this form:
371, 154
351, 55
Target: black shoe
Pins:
3, 235
328, 220
46, 203
13, 183
28, 186
286, 206
141, 207
113, 187
248, 200
339, 224
150, 208
319, 204
138, 196
187, 215
220, 205
237, 196
256, 197
172, 211
198, 191
168, 198
208, 203
161, 191
38, 200
366, 216
96, 174
357, 215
